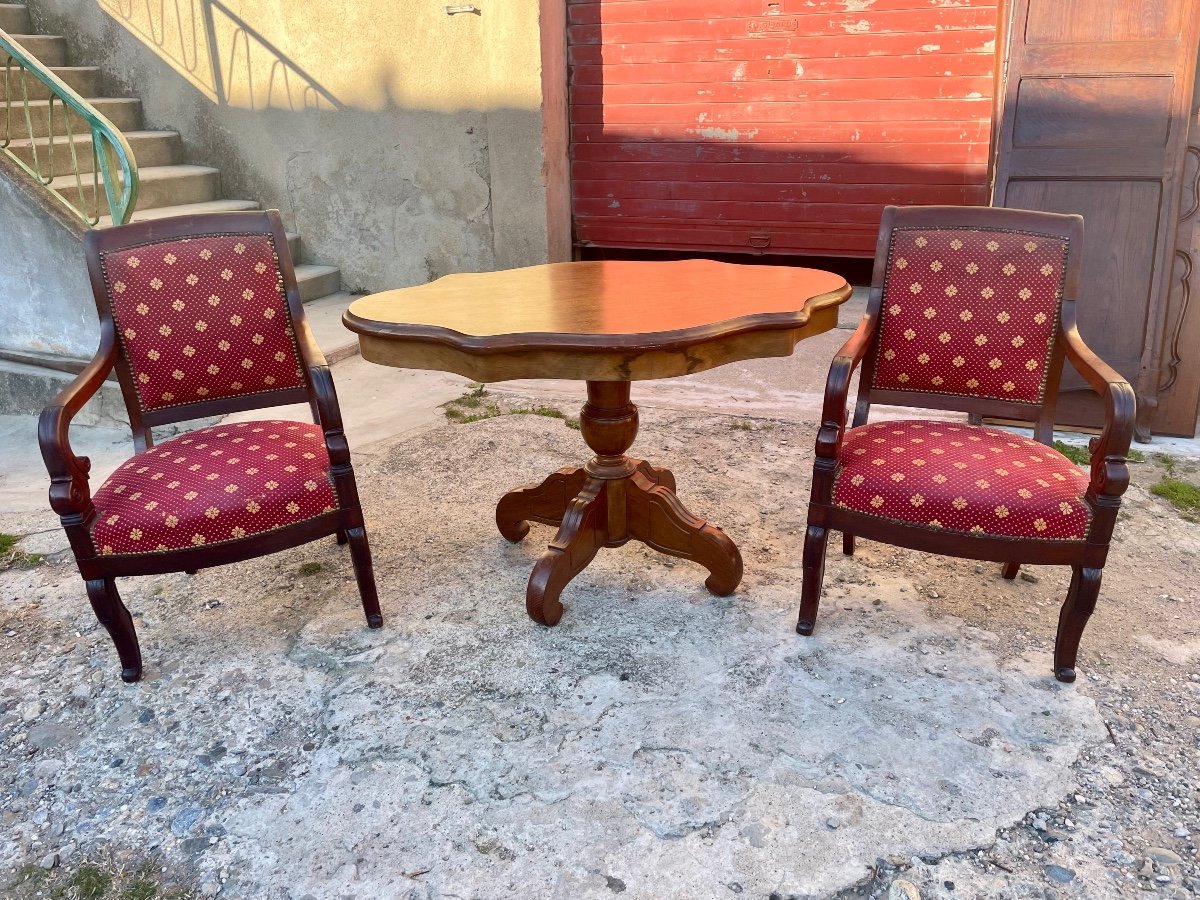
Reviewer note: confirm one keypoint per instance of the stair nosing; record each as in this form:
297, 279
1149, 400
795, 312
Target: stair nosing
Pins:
62, 138
161, 173
90, 100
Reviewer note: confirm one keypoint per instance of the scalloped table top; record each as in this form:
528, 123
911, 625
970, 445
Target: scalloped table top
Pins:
605, 320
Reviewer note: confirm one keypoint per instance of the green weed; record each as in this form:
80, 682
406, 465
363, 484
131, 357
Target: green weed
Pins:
140, 890
12, 558
1081, 457
1183, 495
91, 882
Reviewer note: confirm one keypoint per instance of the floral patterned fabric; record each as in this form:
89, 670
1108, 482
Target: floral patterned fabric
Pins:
961, 478
217, 484
202, 318
970, 311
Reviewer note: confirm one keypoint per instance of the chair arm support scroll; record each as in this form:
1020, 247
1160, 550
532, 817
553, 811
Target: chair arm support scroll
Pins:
70, 494
837, 389
1110, 474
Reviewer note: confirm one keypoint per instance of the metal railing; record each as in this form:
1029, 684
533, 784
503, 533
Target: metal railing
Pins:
56, 141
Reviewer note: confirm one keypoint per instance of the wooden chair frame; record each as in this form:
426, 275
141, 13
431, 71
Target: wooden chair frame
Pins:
1109, 473
70, 492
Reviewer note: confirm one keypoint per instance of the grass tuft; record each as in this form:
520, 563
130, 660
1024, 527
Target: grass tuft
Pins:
471, 407
1081, 457
1183, 495
140, 890
90, 882
12, 558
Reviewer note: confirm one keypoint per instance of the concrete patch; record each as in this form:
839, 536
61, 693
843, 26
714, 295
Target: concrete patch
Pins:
659, 743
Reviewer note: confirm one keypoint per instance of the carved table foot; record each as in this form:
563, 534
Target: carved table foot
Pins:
657, 518
611, 500
545, 503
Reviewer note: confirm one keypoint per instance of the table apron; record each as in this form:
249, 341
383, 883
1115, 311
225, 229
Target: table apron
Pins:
592, 365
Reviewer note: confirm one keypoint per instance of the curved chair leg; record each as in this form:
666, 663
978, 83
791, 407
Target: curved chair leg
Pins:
364, 574
1076, 610
341, 537
112, 614
1010, 570
847, 544
815, 541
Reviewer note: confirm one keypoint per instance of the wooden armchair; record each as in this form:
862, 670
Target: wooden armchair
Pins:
201, 316
971, 309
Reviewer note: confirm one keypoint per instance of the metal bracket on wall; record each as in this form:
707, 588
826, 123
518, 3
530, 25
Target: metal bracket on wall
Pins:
467, 8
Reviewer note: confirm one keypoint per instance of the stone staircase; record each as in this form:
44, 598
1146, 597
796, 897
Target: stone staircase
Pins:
169, 187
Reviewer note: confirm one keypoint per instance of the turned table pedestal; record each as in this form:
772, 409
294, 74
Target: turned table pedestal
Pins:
606, 323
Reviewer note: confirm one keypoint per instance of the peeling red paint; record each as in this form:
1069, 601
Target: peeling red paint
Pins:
705, 124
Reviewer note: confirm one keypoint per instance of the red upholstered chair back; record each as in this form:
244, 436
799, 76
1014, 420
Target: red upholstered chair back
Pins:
969, 303
202, 314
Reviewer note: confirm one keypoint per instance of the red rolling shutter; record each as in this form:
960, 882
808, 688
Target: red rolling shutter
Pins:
781, 126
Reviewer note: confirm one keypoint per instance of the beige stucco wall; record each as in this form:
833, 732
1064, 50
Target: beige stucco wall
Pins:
401, 142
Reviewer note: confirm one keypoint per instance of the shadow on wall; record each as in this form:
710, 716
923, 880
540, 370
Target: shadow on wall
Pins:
249, 71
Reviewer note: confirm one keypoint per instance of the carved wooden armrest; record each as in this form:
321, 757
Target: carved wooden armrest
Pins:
70, 494
837, 390
325, 403
1110, 474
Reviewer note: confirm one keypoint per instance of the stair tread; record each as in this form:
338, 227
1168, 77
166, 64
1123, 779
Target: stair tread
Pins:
92, 100
62, 139
310, 270
156, 173
187, 209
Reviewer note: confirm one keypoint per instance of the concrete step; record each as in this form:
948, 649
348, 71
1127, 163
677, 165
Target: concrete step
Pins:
124, 112
84, 80
176, 185
317, 281
293, 240
25, 389
150, 148
48, 49
325, 320
14, 18
164, 185
185, 209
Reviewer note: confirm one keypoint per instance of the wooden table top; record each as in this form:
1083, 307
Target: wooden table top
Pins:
606, 320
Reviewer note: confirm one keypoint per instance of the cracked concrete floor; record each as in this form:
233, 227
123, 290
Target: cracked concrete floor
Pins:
659, 743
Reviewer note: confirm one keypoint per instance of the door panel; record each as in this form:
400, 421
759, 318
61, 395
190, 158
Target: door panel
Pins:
1093, 111
1096, 21
1120, 219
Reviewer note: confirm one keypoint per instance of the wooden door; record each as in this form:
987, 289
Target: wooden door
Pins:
1094, 122
774, 126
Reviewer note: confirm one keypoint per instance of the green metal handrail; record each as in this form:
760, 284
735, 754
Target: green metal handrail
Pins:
113, 164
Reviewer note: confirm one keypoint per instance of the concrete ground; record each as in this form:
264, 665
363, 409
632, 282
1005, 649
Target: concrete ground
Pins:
659, 743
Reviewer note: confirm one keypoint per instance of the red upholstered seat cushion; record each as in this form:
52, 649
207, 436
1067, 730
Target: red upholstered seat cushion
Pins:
961, 478
216, 484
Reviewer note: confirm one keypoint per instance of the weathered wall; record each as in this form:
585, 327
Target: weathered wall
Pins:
401, 142
44, 290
